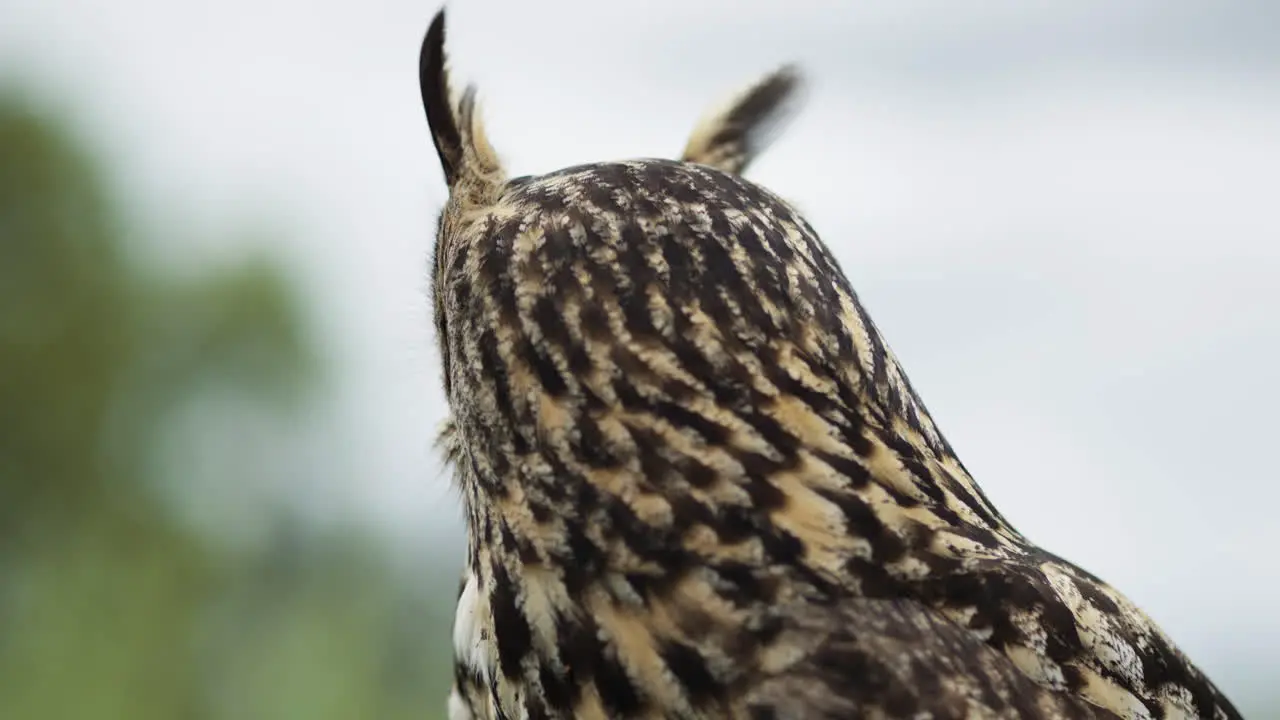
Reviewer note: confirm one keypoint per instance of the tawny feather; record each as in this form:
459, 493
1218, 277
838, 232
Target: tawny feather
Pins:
698, 484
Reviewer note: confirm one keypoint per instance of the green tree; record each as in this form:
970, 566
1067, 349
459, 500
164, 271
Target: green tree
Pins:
111, 605
99, 589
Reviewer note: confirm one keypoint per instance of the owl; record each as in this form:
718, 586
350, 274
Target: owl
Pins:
697, 482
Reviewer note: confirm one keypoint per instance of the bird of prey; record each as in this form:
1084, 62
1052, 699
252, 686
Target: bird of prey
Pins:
697, 482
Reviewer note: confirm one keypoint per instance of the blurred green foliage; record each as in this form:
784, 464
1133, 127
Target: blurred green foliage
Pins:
110, 607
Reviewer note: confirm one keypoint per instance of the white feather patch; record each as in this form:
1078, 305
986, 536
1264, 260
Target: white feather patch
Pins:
470, 638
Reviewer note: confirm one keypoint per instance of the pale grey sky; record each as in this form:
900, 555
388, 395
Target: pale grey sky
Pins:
1063, 216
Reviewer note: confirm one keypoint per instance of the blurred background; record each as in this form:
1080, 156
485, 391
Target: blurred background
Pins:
218, 383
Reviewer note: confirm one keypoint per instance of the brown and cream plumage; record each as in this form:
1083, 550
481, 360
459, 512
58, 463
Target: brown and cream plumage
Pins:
697, 482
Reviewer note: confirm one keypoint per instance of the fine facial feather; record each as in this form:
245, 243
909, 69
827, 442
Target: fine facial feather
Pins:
699, 484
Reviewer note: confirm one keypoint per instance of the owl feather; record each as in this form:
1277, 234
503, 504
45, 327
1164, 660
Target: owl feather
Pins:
698, 483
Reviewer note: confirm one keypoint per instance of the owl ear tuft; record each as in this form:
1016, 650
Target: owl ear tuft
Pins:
466, 157
433, 78
731, 137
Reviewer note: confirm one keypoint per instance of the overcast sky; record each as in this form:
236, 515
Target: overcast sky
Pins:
1064, 218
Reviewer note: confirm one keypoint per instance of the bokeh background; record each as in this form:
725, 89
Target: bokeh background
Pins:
218, 385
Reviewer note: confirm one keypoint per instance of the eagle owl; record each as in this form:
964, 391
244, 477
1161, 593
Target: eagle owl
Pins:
697, 482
